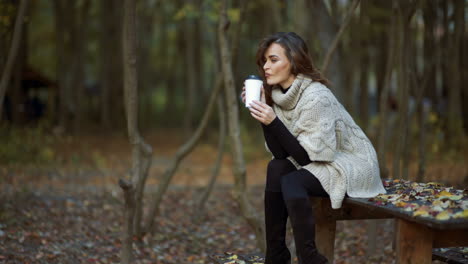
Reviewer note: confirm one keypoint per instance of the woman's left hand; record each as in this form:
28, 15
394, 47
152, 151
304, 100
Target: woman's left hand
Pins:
262, 112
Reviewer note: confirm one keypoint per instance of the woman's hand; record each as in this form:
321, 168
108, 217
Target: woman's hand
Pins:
262, 112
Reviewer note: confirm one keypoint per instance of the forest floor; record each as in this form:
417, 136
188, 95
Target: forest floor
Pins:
70, 210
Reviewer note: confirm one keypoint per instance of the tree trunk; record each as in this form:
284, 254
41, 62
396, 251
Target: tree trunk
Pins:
141, 152
16, 41
425, 85
78, 79
190, 67
146, 67
110, 46
407, 11
181, 153
104, 56
364, 69
455, 119
383, 115
401, 153
239, 170
126, 255
63, 14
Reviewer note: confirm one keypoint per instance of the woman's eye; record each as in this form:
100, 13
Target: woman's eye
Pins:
273, 60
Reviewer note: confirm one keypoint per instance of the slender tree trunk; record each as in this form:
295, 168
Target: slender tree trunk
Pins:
126, 254
383, 116
191, 81
455, 119
63, 14
408, 12
16, 41
239, 171
111, 61
141, 152
181, 153
104, 56
364, 69
78, 80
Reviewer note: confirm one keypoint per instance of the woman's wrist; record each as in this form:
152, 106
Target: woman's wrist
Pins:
273, 123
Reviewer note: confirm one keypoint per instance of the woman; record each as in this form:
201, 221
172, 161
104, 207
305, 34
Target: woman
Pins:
318, 150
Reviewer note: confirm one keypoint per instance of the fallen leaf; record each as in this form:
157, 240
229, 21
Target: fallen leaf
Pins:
444, 215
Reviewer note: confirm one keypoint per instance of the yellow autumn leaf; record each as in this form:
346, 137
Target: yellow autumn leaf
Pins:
455, 197
421, 212
444, 193
444, 215
400, 204
462, 214
233, 257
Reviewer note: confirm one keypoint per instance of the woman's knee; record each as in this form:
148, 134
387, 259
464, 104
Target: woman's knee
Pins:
292, 187
275, 170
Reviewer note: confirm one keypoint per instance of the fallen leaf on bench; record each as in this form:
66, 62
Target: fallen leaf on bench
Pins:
400, 204
424, 199
444, 215
462, 214
422, 211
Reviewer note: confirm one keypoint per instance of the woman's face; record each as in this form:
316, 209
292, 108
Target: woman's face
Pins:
277, 66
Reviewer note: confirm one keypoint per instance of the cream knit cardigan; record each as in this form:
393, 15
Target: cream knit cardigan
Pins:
343, 158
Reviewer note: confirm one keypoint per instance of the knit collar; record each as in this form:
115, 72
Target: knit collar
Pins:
289, 99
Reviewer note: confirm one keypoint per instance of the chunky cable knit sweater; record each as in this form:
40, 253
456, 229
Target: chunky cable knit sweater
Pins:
343, 158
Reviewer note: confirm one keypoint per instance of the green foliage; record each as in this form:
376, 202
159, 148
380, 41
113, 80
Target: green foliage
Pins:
25, 145
234, 14
7, 17
187, 11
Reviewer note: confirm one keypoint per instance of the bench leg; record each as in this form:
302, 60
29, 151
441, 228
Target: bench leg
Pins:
325, 237
414, 243
325, 227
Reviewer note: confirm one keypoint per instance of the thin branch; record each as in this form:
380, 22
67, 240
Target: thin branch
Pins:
182, 152
334, 44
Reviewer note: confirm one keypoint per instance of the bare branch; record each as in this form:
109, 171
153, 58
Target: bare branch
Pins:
334, 44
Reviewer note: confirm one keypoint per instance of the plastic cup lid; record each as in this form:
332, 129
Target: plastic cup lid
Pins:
253, 77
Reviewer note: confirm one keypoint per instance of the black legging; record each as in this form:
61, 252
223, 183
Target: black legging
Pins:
282, 175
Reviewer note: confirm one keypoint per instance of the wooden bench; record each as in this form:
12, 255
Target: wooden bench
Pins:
415, 236
450, 255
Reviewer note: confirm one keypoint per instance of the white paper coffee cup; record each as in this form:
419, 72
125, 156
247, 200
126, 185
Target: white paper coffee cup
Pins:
253, 86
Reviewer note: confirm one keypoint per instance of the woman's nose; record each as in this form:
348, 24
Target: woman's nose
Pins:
266, 65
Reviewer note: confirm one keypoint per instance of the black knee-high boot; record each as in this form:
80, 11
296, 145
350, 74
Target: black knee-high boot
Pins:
276, 216
303, 224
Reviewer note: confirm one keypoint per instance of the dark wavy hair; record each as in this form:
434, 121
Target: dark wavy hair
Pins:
298, 55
